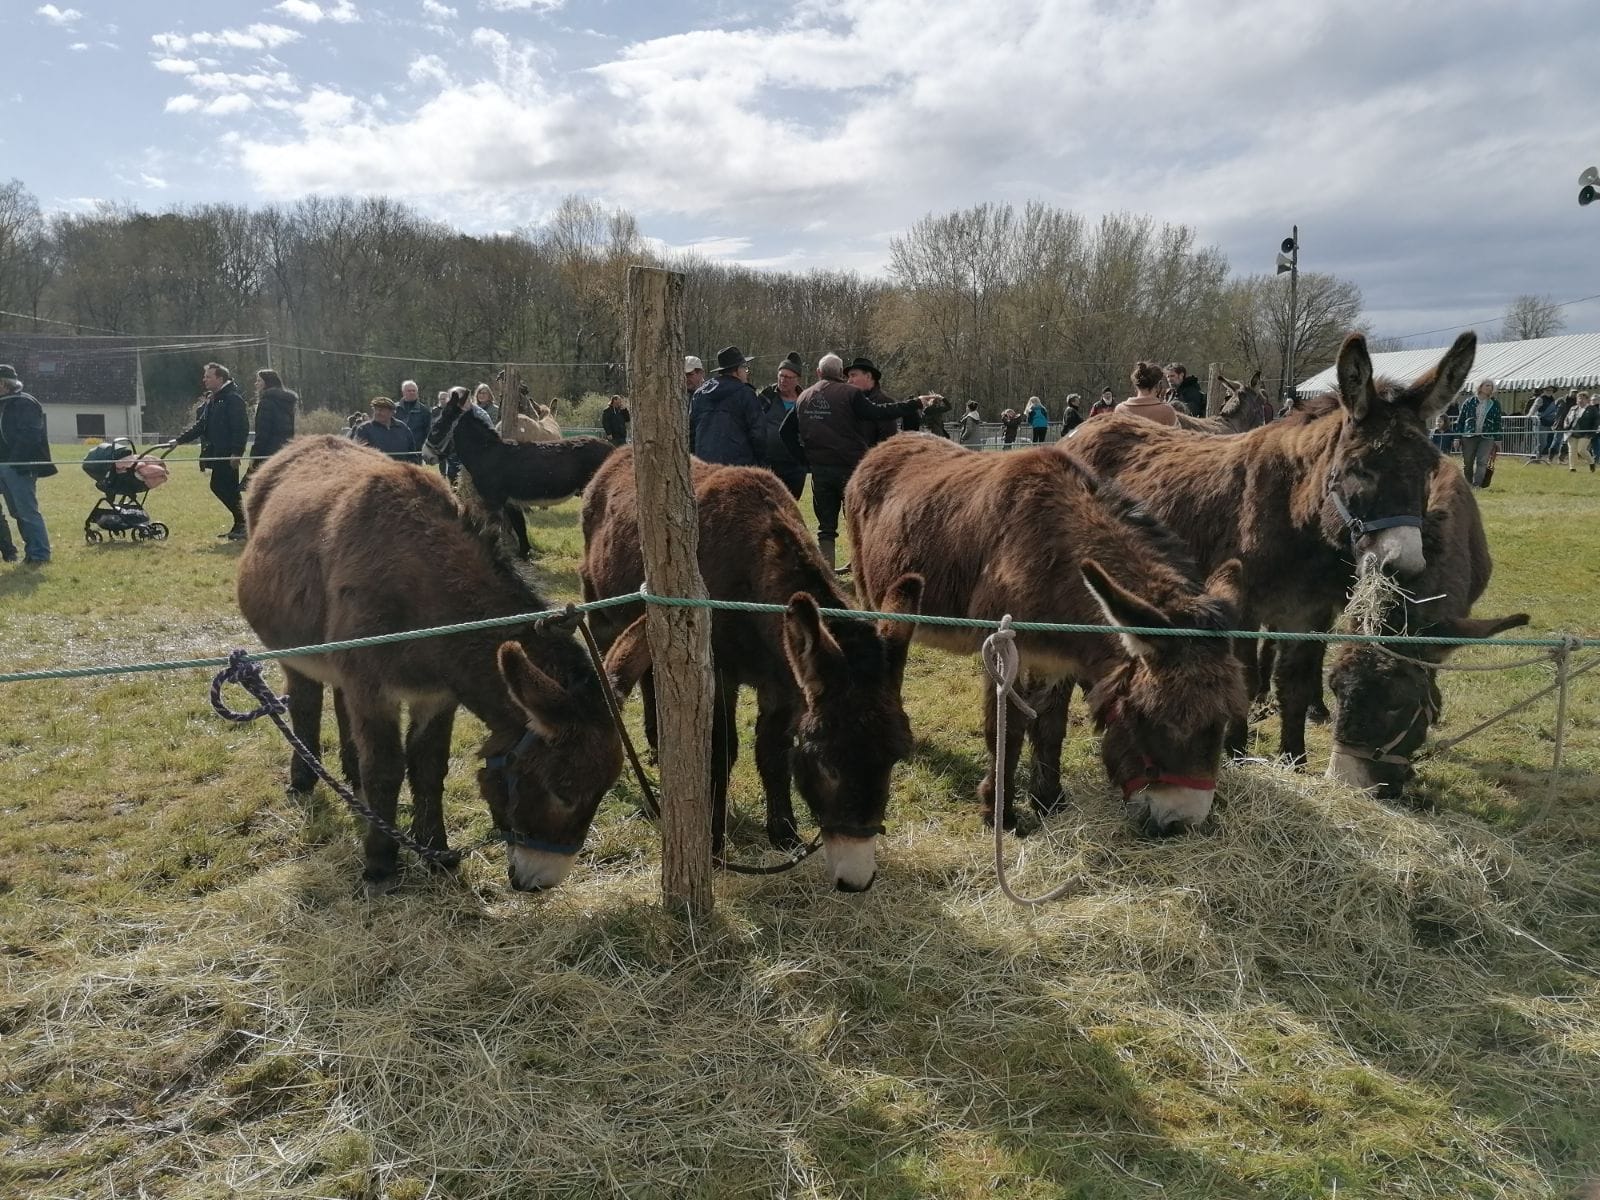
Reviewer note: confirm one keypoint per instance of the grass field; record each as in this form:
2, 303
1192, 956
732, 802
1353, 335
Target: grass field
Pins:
1318, 996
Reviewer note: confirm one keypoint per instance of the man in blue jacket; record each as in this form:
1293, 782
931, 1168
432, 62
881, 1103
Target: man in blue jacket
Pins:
222, 428
725, 423
24, 460
383, 432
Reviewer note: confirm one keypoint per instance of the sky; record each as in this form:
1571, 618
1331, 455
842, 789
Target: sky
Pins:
1428, 151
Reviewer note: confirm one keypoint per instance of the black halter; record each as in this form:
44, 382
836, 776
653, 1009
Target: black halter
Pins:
505, 766
1427, 712
1359, 527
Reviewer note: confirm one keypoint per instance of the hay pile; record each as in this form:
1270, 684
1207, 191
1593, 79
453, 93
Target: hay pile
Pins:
1318, 992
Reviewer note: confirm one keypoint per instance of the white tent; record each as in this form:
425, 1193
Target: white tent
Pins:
1572, 361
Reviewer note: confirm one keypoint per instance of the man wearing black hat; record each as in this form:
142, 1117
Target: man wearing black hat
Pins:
831, 429
725, 415
777, 402
863, 373
24, 460
383, 432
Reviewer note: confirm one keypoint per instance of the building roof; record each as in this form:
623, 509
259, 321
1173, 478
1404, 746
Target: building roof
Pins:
1556, 362
77, 371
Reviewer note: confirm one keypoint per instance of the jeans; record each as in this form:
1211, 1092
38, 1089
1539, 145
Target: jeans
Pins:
827, 497
22, 498
225, 487
1475, 458
1038, 433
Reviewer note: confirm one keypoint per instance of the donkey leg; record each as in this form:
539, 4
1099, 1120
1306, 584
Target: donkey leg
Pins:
427, 760
1236, 739
305, 712
724, 749
1297, 681
519, 527
1317, 710
349, 760
647, 696
1265, 663
375, 725
774, 733
1016, 727
1047, 732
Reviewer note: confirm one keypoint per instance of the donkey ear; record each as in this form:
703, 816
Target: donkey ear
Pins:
536, 694
812, 652
904, 597
1475, 627
1122, 607
1255, 381
1356, 389
1432, 395
1225, 586
628, 659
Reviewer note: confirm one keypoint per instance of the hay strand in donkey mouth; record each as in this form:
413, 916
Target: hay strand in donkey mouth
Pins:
1375, 603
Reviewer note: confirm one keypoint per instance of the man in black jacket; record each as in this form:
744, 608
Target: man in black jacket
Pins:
24, 460
725, 415
410, 413
863, 373
614, 421
385, 432
1187, 394
222, 429
777, 402
831, 428
275, 406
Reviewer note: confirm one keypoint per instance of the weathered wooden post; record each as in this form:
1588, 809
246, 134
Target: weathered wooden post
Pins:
680, 638
1214, 394
511, 404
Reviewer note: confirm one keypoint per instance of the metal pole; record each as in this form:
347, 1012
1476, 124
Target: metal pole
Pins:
1294, 315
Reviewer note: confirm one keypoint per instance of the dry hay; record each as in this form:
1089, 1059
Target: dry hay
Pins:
1317, 984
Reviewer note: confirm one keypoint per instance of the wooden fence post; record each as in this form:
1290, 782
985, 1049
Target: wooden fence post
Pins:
669, 533
511, 404
1214, 399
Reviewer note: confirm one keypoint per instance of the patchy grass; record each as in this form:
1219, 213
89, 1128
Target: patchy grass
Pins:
1319, 996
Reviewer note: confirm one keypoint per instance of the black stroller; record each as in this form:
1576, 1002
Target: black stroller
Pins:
124, 478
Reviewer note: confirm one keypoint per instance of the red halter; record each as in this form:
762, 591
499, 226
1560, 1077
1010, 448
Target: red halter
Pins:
1150, 775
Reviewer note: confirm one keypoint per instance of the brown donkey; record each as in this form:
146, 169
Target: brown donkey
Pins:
1384, 706
1299, 502
347, 543
827, 688
1037, 535
1246, 408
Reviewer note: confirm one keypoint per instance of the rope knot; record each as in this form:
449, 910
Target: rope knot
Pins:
247, 674
1002, 663
567, 619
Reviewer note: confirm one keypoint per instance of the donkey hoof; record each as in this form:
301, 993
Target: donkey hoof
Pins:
783, 835
1049, 802
1318, 713
375, 884
1008, 819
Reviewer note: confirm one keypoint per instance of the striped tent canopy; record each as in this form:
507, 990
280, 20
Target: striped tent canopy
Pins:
1554, 362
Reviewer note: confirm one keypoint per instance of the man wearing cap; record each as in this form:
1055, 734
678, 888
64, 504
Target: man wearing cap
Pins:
384, 433
831, 429
725, 415
24, 460
222, 427
694, 376
777, 402
863, 373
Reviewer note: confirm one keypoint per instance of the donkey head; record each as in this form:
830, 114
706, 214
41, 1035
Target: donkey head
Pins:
442, 430
1385, 705
853, 729
1165, 710
543, 788
1377, 486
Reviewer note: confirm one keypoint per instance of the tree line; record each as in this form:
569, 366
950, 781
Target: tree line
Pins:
991, 303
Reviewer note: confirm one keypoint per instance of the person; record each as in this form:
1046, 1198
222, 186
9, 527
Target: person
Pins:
222, 428
971, 425
275, 405
354, 421
1072, 417
1558, 426
1585, 428
614, 421
384, 432
725, 415
483, 400
410, 413
1010, 422
863, 373
24, 460
777, 402
1106, 403
1479, 429
1145, 402
1542, 413
935, 408
694, 376
1187, 395
1038, 418
830, 430
1443, 438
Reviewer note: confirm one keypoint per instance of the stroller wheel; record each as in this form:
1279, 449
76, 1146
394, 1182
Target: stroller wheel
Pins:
93, 536
158, 531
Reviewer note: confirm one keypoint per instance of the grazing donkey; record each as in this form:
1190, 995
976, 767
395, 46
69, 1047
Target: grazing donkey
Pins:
347, 543
827, 688
1037, 535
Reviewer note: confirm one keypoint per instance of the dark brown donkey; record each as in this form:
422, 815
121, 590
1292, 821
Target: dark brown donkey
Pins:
346, 543
1383, 705
1037, 535
827, 688
1299, 502
1245, 408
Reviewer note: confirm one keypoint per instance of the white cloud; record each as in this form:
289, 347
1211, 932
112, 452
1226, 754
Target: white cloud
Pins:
177, 66
182, 104
439, 12
78, 46
254, 37
520, 5
225, 105
428, 67
256, 81
152, 181
60, 16
325, 107
341, 12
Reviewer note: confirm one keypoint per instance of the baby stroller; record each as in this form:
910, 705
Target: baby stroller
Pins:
124, 478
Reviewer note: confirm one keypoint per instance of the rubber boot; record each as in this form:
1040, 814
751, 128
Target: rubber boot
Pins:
826, 545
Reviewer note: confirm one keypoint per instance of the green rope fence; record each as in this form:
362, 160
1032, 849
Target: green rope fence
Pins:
384, 639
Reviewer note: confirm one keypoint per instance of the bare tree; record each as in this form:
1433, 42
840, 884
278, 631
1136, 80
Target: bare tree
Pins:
1532, 316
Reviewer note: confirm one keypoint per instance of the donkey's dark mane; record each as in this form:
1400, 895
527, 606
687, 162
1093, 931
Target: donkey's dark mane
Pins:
488, 534
1130, 510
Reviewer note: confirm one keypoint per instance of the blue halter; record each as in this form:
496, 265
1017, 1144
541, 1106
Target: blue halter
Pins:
503, 764
1360, 528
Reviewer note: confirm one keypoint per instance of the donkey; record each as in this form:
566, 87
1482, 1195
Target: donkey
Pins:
508, 475
1384, 706
346, 543
827, 688
1299, 502
1037, 535
1246, 408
